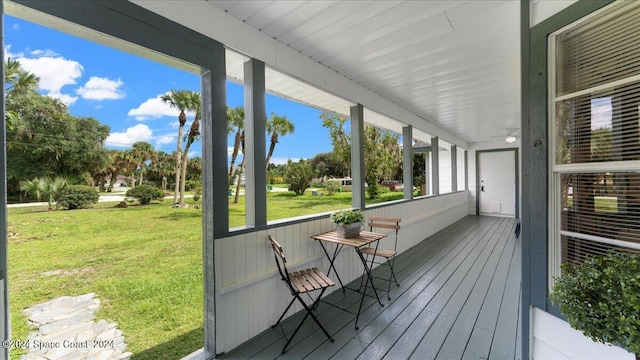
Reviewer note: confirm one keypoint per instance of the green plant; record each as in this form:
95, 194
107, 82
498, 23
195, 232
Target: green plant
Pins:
197, 191
298, 175
78, 197
145, 194
346, 217
601, 298
332, 187
44, 188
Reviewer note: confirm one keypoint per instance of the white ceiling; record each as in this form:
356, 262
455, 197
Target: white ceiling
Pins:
454, 64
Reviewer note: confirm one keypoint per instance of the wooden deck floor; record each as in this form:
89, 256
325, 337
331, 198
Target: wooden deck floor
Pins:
459, 299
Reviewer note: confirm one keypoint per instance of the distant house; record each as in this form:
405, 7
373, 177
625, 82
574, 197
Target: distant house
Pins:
121, 181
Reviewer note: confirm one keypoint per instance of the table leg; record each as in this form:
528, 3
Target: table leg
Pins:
369, 280
331, 260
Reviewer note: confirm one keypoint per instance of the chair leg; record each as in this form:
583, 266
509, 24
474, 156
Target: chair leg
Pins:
285, 311
309, 312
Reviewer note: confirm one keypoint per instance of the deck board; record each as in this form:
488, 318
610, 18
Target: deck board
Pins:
458, 297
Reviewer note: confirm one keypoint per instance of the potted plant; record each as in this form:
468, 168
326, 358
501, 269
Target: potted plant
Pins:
348, 222
601, 298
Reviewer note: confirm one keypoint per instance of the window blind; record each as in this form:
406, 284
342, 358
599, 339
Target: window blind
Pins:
596, 129
600, 52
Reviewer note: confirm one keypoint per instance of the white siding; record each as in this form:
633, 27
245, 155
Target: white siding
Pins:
554, 339
249, 293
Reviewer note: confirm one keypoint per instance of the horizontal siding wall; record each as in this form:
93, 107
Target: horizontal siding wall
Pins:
554, 339
249, 293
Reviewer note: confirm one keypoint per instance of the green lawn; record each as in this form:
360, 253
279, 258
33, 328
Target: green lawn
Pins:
144, 263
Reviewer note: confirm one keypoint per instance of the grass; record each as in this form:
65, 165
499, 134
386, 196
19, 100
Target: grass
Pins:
144, 263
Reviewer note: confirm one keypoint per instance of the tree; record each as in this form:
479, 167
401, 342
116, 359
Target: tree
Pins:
47, 141
160, 171
340, 139
182, 100
277, 126
17, 82
235, 120
194, 133
325, 164
129, 165
44, 188
240, 171
298, 175
142, 152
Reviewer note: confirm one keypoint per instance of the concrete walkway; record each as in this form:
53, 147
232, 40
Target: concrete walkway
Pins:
65, 329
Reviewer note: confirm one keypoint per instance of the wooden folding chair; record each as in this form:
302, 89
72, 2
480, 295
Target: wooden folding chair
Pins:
387, 254
300, 282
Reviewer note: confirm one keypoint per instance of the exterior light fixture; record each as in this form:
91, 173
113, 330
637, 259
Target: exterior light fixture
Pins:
511, 139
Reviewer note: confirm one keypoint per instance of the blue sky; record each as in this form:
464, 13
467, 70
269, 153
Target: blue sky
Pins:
122, 91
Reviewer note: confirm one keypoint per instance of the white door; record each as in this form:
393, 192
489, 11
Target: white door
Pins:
497, 179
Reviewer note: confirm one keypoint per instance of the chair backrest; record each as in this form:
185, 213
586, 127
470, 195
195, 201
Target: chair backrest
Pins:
281, 259
385, 223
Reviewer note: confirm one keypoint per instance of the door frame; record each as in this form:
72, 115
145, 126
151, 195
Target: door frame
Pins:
517, 170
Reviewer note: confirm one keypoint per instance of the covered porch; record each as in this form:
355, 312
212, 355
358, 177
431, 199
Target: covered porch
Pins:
459, 299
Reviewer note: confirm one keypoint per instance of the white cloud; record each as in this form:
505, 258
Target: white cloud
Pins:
165, 139
9, 54
154, 108
282, 160
67, 99
99, 88
47, 52
54, 73
601, 113
126, 138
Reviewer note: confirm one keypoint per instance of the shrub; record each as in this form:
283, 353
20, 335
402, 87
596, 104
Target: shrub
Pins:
145, 194
197, 191
78, 197
601, 298
298, 175
332, 187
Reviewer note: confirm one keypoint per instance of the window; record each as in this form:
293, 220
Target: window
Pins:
595, 177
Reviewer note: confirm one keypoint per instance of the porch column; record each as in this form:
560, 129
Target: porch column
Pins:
357, 156
4, 291
435, 166
215, 215
255, 143
407, 164
454, 168
466, 170
427, 172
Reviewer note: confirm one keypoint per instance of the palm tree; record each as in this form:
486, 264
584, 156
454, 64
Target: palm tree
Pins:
194, 132
17, 82
129, 164
239, 173
182, 100
142, 152
44, 188
277, 126
235, 120
163, 167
